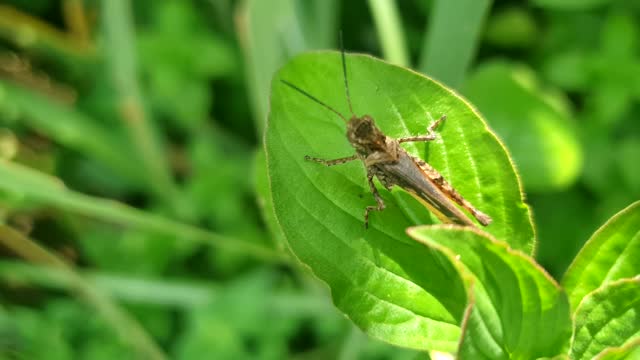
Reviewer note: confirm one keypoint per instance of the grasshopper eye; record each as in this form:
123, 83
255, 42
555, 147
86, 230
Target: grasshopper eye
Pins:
364, 128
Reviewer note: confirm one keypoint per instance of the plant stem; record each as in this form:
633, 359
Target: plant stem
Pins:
30, 32
49, 190
75, 18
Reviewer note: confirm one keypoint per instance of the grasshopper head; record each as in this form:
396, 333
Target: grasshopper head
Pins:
364, 135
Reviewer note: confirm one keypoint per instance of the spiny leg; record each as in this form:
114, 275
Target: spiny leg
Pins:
380, 203
331, 162
431, 135
443, 185
435, 124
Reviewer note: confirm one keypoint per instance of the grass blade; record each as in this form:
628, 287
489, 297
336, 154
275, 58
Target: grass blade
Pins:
119, 36
452, 39
48, 190
130, 331
389, 27
68, 127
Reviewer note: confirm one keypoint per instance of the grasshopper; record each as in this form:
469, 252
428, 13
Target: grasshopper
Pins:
384, 159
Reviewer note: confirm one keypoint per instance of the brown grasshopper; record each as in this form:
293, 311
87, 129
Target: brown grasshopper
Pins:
392, 165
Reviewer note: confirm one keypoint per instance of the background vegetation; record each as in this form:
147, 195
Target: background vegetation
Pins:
131, 162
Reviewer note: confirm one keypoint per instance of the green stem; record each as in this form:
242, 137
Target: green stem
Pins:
124, 288
175, 293
452, 39
75, 17
49, 190
130, 331
389, 27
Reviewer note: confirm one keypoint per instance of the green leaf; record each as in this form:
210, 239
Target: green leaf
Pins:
538, 132
385, 282
612, 253
570, 4
515, 299
608, 317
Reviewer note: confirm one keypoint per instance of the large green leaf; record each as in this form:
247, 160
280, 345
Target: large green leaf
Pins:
392, 287
612, 253
515, 300
608, 317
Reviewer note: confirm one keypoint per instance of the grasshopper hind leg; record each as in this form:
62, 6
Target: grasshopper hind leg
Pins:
443, 185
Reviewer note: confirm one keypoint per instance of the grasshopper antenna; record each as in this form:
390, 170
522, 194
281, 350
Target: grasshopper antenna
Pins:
344, 74
313, 98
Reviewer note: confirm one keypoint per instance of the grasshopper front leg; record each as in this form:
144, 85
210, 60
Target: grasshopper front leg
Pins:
380, 203
376, 195
451, 193
431, 134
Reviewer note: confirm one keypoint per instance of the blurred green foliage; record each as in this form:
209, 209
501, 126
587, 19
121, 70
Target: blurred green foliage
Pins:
559, 81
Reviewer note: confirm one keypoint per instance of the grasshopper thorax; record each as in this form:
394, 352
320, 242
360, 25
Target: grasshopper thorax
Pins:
364, 135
